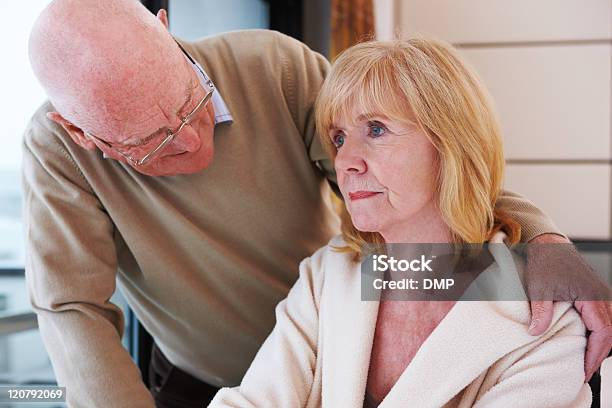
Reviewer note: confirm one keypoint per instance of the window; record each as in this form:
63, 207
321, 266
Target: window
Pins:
23, 359
193, 19
22, 96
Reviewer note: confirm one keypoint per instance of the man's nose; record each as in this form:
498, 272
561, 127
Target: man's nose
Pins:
187, 140
350, 158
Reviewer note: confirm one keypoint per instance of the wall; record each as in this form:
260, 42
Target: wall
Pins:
547, 65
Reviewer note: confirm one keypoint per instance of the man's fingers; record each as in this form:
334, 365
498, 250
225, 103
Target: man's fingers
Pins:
599, 345
596, 315
597, 318
541, 316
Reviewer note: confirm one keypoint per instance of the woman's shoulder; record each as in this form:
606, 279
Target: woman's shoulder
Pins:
565, 316
333, 251
565, 319
331, 258
327, 266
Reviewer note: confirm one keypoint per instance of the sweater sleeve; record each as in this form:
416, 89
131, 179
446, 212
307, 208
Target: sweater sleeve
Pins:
548, 375
303, 74
70, 271
532, 220
283, 371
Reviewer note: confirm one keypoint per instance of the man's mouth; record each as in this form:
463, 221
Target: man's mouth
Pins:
174, 155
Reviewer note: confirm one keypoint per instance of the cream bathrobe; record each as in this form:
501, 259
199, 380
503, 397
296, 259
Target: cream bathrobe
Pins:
479, 355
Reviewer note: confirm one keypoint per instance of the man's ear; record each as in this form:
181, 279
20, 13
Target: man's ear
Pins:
75, 133
162, 16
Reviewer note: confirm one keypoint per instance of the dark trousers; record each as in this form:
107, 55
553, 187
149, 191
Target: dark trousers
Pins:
173, 388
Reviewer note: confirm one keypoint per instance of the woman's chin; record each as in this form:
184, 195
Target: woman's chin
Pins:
366, 223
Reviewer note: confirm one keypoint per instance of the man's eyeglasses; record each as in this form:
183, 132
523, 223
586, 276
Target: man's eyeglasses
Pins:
170, 134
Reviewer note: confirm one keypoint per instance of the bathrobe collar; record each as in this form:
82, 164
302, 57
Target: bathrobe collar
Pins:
461, 348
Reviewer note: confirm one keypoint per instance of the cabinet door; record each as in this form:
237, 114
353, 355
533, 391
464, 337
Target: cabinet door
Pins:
553, 101
478, 21
575, 196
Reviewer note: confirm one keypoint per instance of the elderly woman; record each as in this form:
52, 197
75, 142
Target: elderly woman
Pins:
419, 159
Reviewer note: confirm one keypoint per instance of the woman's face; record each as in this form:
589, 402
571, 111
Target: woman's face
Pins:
386, 172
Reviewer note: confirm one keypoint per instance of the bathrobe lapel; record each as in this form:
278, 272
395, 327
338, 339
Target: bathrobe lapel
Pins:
467, 341
348, 335
463, 346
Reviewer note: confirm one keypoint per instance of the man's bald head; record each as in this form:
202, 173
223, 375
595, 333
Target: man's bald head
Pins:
111, 69
105, 62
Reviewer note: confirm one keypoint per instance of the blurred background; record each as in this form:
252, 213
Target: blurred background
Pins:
547, 64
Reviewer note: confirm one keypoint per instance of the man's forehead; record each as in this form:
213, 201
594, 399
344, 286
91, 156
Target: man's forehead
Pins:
150, 115
172, 114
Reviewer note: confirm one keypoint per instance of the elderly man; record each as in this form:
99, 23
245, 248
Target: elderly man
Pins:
192, 173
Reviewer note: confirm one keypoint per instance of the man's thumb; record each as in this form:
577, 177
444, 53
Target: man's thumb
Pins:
541, 316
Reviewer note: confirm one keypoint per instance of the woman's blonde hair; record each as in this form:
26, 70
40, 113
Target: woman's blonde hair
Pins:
428, 79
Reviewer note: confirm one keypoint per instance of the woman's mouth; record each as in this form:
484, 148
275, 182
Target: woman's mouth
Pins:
358, 195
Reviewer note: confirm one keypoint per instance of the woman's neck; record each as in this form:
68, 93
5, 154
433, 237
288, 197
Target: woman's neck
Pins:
426, 226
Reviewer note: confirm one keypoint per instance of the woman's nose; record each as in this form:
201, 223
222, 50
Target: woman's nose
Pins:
350, 159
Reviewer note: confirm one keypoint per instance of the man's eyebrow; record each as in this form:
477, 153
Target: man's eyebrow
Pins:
193, 85
146, 139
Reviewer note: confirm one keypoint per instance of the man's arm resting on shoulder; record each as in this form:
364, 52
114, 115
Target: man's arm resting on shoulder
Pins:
596, 314
71, 270
548, 375
537, 228
532, 220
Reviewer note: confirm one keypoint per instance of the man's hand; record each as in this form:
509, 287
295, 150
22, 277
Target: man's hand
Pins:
597, 319
596, 314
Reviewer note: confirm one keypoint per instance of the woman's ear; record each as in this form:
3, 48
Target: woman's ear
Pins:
75, 133
162, 16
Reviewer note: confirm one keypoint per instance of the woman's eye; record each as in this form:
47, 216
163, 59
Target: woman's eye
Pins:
377, 130
338, 140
